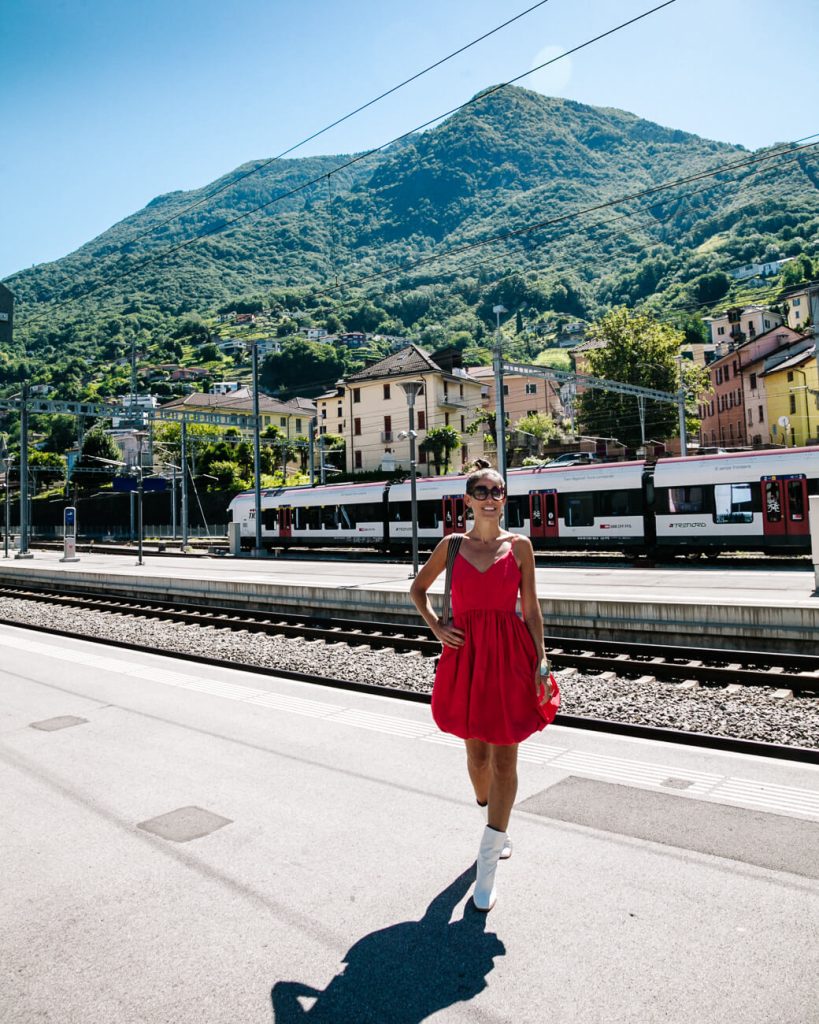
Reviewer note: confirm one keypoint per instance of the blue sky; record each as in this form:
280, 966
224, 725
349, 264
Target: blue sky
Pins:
104, 105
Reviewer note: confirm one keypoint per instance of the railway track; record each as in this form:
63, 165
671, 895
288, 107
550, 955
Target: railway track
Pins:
798, 673
787, 672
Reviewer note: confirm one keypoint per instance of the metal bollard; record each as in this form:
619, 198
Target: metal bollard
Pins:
813, 515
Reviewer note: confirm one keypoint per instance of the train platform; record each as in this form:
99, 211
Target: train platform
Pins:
186, 843
755, 608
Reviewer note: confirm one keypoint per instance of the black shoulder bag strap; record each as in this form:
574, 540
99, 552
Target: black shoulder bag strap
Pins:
451, 554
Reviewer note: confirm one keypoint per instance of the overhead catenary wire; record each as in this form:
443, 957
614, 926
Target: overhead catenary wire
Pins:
218, 228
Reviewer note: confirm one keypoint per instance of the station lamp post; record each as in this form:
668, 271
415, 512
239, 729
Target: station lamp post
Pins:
257, 452
500, 410
140, 436
411, 388
5, 456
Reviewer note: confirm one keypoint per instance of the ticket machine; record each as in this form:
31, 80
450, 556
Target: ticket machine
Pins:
70, 535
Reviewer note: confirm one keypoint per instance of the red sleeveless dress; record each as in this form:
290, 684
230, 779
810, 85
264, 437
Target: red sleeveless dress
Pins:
485, 690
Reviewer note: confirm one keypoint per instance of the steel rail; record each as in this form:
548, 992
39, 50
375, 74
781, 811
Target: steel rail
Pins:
802, 755
709, 666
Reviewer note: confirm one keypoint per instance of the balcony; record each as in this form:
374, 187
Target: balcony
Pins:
387, 436
450, 401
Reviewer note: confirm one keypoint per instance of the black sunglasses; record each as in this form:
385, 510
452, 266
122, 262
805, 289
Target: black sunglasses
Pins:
482, 492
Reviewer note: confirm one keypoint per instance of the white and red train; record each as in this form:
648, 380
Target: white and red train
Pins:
752, 501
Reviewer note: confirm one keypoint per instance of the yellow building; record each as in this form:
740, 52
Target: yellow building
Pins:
369, 410
292, 417
792, 394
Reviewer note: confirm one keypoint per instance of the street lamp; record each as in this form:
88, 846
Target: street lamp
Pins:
411, 388
500, 411
257, 451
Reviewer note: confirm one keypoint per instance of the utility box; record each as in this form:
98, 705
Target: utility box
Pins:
813, 513
235, 538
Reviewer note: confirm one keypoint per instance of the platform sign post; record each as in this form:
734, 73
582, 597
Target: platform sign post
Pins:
70, 535
813, 514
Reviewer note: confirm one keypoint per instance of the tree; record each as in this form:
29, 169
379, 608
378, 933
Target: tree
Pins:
301, 367
540, 425
99, 451
440, 442
639, 350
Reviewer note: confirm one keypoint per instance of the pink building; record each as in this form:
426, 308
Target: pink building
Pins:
523, 396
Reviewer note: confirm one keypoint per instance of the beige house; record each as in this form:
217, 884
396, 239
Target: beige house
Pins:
803, 305
292, 417
741, 324
523, 396
369, 409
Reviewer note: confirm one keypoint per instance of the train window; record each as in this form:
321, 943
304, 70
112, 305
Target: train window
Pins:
617, 503
347, 516
773, 501
312, 518
733, 503
270, 518
429, 515
400, 511
686, 499
516, 510
796, 501
329, 517
578, 509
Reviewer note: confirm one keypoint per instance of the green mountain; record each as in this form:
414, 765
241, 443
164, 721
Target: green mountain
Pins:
345, 250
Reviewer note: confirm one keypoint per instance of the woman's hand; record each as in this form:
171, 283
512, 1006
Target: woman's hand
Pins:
448, 635
543, 678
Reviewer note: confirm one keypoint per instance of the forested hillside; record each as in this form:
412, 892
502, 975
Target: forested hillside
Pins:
345, 252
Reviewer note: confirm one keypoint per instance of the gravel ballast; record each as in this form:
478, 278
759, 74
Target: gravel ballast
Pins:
751, 714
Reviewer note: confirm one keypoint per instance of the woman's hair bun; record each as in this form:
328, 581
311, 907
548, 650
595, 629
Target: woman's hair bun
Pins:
480, 464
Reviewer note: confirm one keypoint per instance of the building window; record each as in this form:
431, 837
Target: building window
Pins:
446, 419
761, 414
736, 371
719, 375
463, 423
422, 421
340, 412
322, 430
793, 403
358, 460
720, 330
386, 392
356, 394
461, 390
531, 388
388, 424
790, 376
323, 413
531, 412
298, 426
767, 324
506, 390
753, 382
357, 426
282, 421
750, 417
726, 372
796, 302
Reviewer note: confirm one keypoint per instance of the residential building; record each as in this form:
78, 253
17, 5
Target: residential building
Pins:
233, 346
314, 333
369, 409
739, 324
224, 387
758, 422
190, 373
142, 406
792, 388
522, 396
268, 347
749, 270
353, 339
292, 417
802, 302
725, 415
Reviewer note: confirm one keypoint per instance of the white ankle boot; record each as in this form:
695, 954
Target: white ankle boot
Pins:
484, 895
506, 852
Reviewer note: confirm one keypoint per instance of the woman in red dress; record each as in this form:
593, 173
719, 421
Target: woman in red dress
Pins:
493, 664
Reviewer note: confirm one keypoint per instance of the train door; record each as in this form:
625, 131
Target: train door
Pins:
453, 514
785, 506
543, 514
285, 521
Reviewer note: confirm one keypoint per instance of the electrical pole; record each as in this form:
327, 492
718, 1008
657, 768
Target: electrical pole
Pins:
184, 470
411, 389
23, 551
257, 464
311, 454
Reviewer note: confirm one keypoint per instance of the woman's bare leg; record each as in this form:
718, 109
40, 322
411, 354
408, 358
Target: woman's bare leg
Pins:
503, 786
479, 768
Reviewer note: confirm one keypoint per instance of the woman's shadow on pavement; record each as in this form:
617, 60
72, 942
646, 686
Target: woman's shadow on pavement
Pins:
404, 973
